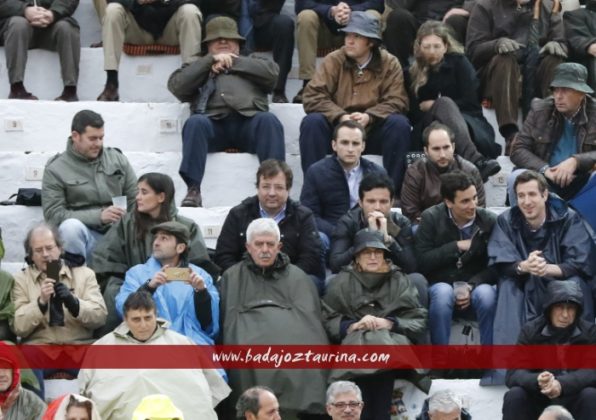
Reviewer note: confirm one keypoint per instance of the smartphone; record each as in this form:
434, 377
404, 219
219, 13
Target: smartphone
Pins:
53, 269
177, 273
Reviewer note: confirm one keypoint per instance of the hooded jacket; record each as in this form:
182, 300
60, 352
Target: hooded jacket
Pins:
274, 305
17, 403
567, 244
353, 294
176, 301
541, 331
117, 392
76, 187
57, 408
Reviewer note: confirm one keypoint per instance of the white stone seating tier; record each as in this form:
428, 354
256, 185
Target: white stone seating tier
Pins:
150, 135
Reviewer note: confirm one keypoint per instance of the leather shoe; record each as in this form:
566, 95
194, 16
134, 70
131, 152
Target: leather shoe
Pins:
193, 198
279, 98
68, 96
298, 98
21, 94
109, 94
487, 167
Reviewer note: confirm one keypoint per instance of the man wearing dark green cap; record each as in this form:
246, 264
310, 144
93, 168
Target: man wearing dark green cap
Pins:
184, 294
229, 105
557, 138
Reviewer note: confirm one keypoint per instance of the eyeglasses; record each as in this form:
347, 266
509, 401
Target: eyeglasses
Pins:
342, 405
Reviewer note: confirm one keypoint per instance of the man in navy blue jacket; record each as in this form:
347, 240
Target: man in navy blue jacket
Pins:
330, 186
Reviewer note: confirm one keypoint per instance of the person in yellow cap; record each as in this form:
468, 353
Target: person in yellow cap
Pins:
157, 407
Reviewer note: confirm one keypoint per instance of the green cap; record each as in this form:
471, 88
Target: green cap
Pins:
222, 27
573, 76
174, 228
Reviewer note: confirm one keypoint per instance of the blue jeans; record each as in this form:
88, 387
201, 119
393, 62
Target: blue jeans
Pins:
440, 312
78, 239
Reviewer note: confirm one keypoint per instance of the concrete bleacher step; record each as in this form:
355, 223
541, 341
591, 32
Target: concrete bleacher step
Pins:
150, 136
15, 221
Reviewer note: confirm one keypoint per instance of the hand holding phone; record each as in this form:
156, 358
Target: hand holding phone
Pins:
177, 273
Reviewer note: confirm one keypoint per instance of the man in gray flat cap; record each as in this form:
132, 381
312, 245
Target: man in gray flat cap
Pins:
362, 83
557, 138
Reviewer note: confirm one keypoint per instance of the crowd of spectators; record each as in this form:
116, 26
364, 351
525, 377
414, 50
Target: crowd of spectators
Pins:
140, 273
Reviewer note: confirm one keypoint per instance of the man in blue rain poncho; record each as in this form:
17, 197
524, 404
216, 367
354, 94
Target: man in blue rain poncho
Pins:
184, 294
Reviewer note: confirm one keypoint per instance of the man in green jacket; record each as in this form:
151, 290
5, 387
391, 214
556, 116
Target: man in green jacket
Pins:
79, 184
46, 24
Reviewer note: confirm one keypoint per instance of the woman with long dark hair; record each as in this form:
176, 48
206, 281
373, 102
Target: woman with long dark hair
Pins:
444, 87
129, 242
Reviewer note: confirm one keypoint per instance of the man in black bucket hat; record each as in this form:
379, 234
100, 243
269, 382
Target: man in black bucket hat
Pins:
557, 139
229, 105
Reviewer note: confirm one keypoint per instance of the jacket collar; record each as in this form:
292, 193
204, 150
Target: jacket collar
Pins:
375, 64
547, 332
122, 331
579, 119
556, 211
273, 272
254, 203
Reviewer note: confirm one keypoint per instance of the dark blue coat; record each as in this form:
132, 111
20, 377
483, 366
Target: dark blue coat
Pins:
325, 191
569, 244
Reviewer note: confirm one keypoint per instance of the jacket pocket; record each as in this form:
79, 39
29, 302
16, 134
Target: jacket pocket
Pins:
80, 193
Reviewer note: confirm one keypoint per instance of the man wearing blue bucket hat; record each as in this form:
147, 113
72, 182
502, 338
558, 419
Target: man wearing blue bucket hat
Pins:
362, 83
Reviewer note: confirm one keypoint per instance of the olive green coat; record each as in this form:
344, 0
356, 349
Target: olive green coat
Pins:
76, 187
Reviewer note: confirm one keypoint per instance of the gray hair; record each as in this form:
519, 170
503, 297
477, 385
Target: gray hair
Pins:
444, 402
342, 387
262, 226
249, 401
559, 411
